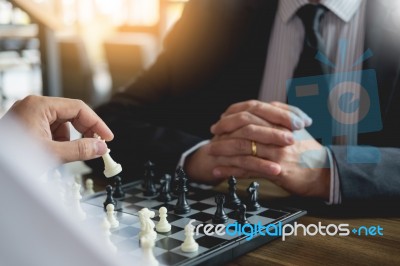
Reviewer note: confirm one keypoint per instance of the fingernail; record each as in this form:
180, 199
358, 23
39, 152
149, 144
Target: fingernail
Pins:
308, 121
289, 138
297, 123
217, 173
100, 147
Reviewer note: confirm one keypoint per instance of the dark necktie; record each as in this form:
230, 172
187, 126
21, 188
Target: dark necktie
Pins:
311, 16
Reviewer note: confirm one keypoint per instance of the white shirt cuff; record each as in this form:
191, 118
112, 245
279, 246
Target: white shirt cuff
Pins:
335, 196
189, 151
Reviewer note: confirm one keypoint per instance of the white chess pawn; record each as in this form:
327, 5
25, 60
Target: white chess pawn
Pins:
76, 202
148, 258
105, 226
111, 217
163, 226
111, 168
146, 224
89, 187
189, 245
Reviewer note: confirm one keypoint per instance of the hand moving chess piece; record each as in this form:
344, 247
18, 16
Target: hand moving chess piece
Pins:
149, 188
146, 224
163, 226
182, 206
118, 191
220, 216
253, 196
165, 189
233, 199
111, 216
189, 245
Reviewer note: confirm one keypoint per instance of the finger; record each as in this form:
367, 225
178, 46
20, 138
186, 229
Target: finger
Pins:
82, 117
60, 132
235, 121
235, 147
268, 112
251, 164
259, 134
307, 120
79, 150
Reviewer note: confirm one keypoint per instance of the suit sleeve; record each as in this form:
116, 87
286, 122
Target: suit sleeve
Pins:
378, 180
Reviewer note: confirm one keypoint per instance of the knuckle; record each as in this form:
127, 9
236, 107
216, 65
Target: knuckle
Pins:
83, 149
248, 131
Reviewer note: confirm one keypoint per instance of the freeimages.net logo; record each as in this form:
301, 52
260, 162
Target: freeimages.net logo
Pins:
251, 231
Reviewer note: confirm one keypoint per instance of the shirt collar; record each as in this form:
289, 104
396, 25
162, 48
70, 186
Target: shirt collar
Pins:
344, 9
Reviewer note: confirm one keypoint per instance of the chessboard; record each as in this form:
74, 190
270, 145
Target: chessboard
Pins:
213, 250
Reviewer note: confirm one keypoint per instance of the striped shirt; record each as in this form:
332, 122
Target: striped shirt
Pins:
344, 20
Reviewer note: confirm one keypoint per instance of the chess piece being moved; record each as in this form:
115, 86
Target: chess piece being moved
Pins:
182, 206
89, 187
165, 189
146, 224
111, 168
189, 245
149, 176
105, 226
118, 191
220, 216
76, 202
163, 226
111, 216
233, 199
242, 218
109, 198
253, 196
148, 258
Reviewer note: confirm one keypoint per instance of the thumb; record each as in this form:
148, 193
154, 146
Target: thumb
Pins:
79, 150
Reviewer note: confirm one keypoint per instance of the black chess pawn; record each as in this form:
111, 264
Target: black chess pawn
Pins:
165, 189
253, 196
242, 218
149, 187
182, 206
118, 191
233, 199
109, 198
220, 215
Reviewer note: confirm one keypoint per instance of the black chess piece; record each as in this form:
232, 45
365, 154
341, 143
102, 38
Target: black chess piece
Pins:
220, 215
118, 191
253, 196
165, 189
109, 198
182, 206
233, 199
242, 219
149, 188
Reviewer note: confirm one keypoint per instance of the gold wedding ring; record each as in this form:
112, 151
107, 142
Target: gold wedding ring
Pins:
253, 148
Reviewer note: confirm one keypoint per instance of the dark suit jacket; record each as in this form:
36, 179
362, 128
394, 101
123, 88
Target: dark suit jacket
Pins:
214, 57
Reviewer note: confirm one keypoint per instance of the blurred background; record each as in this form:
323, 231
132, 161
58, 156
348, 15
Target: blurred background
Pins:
84, 49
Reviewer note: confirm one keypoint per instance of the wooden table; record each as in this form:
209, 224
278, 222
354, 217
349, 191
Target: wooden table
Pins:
331, 250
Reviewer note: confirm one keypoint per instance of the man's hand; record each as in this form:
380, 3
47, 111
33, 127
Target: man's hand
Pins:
299, 165
48, 118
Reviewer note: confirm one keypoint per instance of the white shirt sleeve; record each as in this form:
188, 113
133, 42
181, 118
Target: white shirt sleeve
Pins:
191, 150
335, 196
